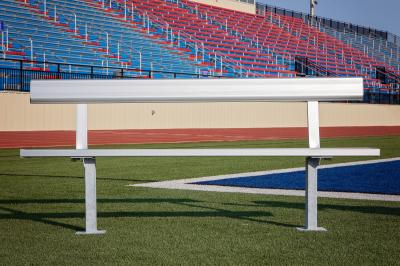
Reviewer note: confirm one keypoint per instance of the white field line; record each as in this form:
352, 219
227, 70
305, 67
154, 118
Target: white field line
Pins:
185, 184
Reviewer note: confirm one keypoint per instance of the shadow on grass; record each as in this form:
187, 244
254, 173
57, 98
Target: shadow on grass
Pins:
361, 209
10, 156
20, 215
208, 212
77, 177
110, 200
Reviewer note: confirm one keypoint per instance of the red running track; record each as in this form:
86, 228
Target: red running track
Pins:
19, 139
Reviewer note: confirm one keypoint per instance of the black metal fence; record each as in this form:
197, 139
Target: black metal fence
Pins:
16, 75
391, 95
338, 25
306, 67
393, 38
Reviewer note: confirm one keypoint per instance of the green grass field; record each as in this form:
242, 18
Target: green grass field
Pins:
41, 207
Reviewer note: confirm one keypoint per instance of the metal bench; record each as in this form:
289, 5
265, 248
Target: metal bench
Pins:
83, 92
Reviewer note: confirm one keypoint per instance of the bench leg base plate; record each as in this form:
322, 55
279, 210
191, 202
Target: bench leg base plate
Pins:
97, 232
318, 229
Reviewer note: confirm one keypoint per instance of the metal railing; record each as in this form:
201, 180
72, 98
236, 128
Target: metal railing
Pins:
390, 95
373, 93
387, 76
15, 75
338, 25
306, 67
393, 38
237, 67
191, 43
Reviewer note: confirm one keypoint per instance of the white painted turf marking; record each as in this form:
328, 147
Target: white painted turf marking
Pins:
185, 184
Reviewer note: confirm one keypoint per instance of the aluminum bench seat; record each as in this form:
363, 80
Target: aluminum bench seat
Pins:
311, 90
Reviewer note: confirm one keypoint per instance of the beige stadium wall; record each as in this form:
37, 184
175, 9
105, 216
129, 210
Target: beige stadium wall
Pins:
230, 4
17, 114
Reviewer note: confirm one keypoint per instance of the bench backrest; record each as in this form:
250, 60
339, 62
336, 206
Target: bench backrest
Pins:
196, 90
311, 90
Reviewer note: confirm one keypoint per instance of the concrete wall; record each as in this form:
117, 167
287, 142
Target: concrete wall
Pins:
230, 4
17, 114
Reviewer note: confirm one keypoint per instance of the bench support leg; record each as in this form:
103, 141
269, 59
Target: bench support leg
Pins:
90, 198
81, 126
311, 196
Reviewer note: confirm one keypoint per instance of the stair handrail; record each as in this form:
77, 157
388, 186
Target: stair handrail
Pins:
212, 20
164, 26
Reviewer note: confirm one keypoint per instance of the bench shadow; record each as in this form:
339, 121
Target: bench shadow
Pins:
14, 214
9, 156
78, 177
100, 200
207, 211
361, 209
46, 217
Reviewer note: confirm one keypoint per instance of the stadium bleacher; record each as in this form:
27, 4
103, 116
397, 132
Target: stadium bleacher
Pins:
162, 38
293, 37
380, 49
58, 39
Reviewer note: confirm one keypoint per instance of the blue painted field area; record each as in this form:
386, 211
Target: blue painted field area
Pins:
378, 178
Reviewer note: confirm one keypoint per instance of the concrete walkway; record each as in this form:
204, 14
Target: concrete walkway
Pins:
187, 184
